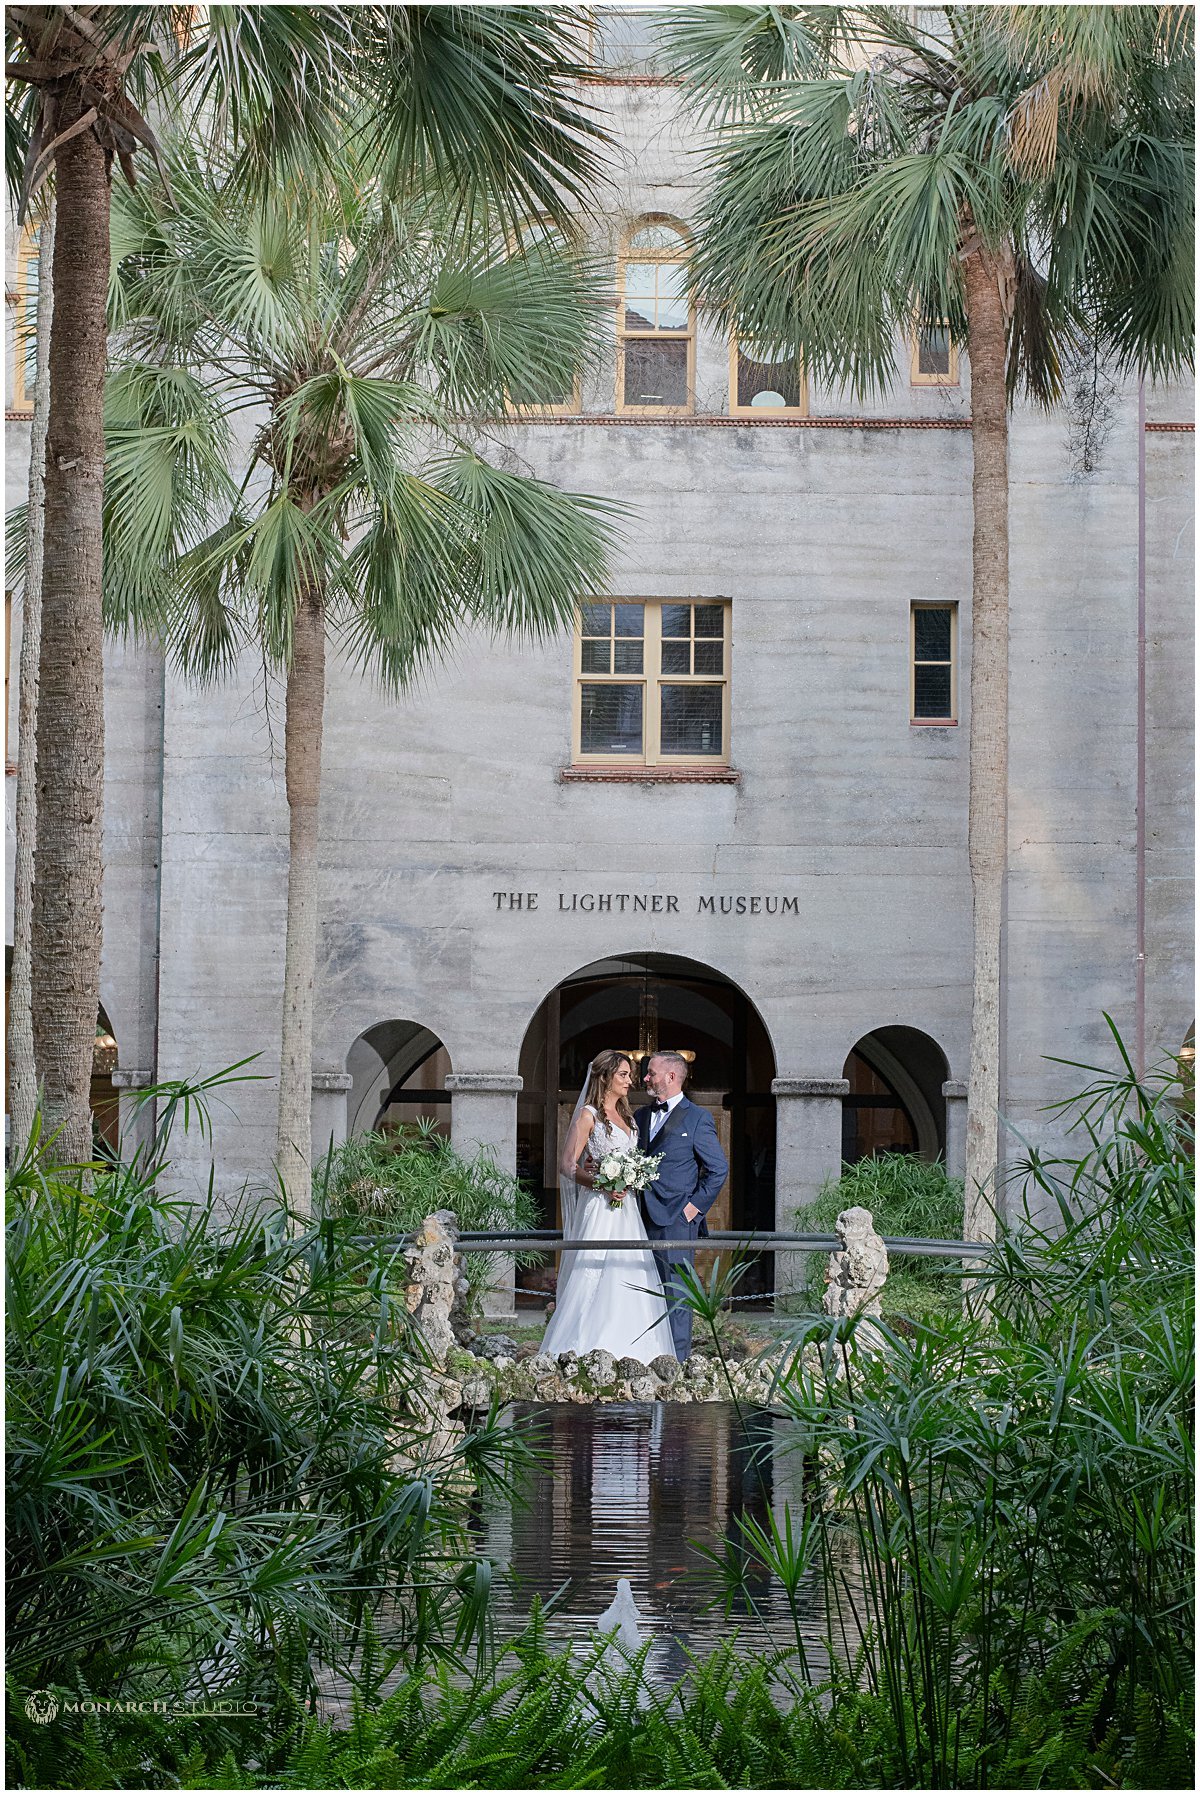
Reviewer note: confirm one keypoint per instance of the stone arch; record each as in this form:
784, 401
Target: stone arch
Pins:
398, 1070
640, 1001
896, 1100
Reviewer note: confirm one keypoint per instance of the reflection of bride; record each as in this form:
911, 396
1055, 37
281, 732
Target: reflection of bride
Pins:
609, 1298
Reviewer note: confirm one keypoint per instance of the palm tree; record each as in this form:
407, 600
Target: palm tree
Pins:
1022, 174
358, 333
479, 99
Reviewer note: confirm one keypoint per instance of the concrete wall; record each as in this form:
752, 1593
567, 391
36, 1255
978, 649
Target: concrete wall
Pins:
821, 537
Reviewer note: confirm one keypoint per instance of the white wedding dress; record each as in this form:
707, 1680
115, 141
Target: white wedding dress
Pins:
608, 1298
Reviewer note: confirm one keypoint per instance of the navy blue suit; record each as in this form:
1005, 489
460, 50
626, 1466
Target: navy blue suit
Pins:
693, 1170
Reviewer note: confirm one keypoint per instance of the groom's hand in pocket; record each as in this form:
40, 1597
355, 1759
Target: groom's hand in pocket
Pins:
690, 1212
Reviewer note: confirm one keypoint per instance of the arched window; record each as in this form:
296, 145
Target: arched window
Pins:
540, 236
656, 324
24, 298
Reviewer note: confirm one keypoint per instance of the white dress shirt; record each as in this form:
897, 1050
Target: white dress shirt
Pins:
659, 1116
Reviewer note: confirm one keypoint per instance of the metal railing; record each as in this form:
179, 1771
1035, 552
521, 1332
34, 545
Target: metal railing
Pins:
550, 1240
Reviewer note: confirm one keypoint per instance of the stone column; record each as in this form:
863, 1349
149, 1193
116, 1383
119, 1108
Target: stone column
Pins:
329, 1092
135, 1127
808, 1150
483, 1113
955, 1093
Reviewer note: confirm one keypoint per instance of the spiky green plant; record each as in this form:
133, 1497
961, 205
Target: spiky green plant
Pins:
220, 1471
1006, 1498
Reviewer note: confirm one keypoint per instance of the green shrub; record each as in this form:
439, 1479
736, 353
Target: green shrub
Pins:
391, 1182
219, 1472
1011, 1489
908, 1197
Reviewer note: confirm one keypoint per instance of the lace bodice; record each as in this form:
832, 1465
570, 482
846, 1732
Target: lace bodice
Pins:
606, 1135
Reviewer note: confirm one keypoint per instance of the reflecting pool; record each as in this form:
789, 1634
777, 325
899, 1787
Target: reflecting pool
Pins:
638, 1490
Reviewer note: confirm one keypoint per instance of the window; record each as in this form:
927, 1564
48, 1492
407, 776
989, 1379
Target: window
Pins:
542, 393
934, 685
24, 333
652, 683
627, 41
656, 325
934, 356
760, 384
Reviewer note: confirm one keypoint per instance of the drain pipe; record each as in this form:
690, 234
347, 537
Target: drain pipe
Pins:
1140, 925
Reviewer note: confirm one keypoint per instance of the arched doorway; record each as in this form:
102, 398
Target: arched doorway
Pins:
398, 1071
638, 1004
895, 1103
105, 1103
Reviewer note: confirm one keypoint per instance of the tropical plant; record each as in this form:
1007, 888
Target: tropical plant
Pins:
363, 331
909, 1198
1007, 1503
392, 1181
479, 102
221, 1474
1020, 175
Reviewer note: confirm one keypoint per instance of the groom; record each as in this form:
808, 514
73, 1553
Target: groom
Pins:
692, 1172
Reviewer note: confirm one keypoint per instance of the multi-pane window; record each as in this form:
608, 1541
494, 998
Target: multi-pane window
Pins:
540, 390
933, 654
655, 322
761, 382
652, 683
934, 356
627, 41
24, 335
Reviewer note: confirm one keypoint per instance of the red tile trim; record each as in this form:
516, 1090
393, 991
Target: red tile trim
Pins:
1183, 427
593, 421
648, 776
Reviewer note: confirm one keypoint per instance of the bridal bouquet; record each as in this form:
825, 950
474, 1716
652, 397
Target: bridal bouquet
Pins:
629, 1170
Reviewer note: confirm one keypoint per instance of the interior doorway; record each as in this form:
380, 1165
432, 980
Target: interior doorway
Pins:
638, 1005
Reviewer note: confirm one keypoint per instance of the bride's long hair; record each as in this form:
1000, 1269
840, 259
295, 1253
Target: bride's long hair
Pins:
600, 1076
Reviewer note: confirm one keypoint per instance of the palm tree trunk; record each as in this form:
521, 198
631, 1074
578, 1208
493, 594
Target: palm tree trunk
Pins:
23, 1088
303, 730
67, 897
987, 827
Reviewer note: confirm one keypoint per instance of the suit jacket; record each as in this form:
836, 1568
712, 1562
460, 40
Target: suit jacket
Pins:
693, 1167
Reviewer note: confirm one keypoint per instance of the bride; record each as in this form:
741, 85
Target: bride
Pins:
606, 1298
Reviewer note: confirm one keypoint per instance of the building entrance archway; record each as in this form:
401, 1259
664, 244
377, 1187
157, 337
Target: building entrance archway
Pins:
638, 1004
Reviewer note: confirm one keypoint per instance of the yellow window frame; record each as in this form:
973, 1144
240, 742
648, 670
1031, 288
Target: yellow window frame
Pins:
763, 412
652, 679
570, 407
23, 333
932, 604
915, 377
665, 256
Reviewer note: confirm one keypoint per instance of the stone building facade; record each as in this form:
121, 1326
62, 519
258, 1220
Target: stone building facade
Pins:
772, 876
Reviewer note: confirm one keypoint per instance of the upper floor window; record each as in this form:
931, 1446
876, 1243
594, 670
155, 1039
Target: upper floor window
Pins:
24, 326
656, 328
933, 643
540, 393
625, 41
652, 683
763, 382
934, 356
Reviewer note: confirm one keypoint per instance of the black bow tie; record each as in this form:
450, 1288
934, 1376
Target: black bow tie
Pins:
660, 1105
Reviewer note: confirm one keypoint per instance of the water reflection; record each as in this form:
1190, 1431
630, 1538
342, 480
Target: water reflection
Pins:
636, 1490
